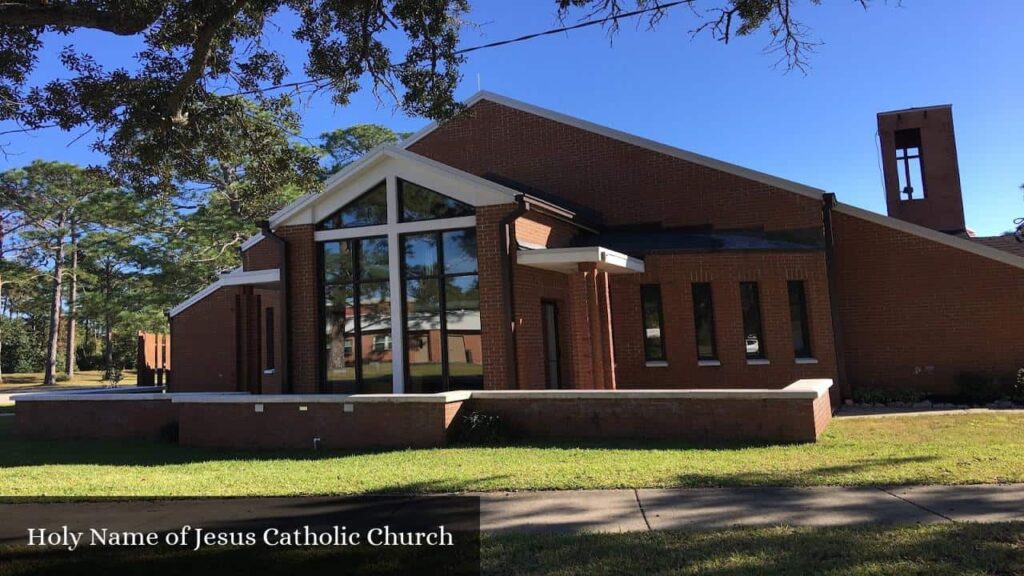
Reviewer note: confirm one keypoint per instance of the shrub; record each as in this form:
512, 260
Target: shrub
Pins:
977, 388
1017, 393
481, 428
886, 395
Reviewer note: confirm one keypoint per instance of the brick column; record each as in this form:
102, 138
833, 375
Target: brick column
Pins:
604, 319
302, 310
580, 352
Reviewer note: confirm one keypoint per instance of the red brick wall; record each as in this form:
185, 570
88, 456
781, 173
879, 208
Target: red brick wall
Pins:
494, 321
305, 301
626, 183
263, 255
99, 419
203, 337
691, 420
283, 425
676, 273
532, 286
541, 230
915, 312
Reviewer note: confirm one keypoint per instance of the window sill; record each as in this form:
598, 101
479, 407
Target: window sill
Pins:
758, 362
656, 364
806, 360
709, 362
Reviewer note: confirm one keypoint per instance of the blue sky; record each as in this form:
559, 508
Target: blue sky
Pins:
729, 102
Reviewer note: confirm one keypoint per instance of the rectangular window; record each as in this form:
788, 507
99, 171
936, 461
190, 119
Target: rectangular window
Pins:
753, 340
798, 319
704, 321
443, 336
357, 309
268, 317
908, 164
650, 303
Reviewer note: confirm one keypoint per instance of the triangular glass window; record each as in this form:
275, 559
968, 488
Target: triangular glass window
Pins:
370, 209
419, 203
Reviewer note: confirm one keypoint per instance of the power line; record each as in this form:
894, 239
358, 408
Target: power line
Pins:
588, 23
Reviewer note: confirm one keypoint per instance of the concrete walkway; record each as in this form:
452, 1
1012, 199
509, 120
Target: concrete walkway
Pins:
713, 508
569, 511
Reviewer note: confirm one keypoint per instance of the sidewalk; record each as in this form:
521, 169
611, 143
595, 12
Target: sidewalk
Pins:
713, 508
627, 510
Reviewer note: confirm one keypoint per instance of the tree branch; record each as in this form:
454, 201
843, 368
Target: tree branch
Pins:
197, 63
35, 14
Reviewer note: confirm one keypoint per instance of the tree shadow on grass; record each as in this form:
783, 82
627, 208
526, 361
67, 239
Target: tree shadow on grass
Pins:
933, 549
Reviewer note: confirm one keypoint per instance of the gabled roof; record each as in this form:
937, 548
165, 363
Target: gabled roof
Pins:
486, 192
679, 153
236, 277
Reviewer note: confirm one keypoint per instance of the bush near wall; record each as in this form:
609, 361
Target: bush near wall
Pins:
978, 388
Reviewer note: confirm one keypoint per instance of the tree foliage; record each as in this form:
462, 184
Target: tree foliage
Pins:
344, 145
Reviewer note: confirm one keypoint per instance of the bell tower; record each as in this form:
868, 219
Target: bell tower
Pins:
922, 177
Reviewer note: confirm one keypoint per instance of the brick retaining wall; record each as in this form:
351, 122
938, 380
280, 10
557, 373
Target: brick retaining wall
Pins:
797, 413
97, 417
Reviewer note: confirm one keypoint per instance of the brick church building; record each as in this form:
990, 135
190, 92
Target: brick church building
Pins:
513, 247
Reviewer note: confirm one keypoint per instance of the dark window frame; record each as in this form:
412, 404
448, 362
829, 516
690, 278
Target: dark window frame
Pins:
545, 305
320, 226
762, 349
355, 281
648, 355
400, 197
800, 316
711, 320
441, 277
270, 361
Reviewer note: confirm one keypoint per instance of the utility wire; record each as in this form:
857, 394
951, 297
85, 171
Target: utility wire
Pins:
588, 23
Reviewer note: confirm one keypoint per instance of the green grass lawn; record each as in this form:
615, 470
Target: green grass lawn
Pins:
954, 449
953, 549
25, 381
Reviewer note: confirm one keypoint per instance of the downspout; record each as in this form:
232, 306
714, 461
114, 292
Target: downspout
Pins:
508, 242
286, 305
828, 203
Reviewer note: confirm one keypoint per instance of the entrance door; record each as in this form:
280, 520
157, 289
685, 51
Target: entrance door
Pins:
552, 362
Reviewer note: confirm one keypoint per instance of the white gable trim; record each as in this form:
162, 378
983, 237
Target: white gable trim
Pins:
234, 278
252, 241
385, 162
665, 149
934, 235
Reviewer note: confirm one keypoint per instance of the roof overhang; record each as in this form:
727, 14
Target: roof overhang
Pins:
567, 260
236, 277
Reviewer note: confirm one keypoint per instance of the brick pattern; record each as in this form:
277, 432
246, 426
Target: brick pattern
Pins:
943, 207
422, 425
204, 338
537, 229
264, 255
494, 320
693, 420
626, 183
675, 273
916, 313
284, 426
305, 302
100, 419
532, 288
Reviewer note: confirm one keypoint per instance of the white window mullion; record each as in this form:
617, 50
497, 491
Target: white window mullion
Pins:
397, 302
